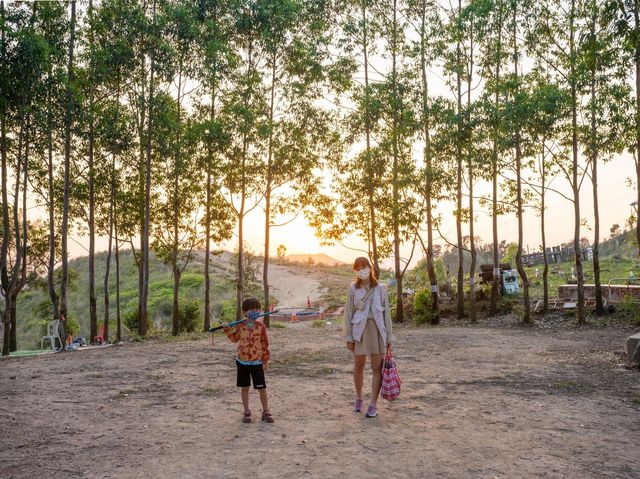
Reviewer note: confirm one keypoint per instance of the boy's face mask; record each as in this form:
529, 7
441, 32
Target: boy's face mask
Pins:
253, 315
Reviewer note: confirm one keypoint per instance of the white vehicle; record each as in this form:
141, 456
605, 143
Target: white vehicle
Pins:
510, 283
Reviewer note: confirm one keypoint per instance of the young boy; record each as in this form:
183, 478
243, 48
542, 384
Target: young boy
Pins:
252, 357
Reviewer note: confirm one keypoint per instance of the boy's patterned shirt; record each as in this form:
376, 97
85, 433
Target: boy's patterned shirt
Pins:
253, 343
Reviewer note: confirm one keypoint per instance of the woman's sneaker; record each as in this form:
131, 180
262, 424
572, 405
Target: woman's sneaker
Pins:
357, 406
372, 411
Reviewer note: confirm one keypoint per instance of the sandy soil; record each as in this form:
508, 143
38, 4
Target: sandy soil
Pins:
292, 286
476, 402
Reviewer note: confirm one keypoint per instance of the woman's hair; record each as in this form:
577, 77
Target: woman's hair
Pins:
363, 262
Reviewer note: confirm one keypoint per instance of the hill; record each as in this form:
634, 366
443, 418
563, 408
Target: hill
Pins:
314, 259
291, 284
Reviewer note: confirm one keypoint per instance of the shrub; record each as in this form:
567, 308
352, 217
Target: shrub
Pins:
189, 317
71, 326
131, 319
630, 308
422, 313
318, 323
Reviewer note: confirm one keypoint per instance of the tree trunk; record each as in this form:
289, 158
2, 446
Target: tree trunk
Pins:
267, 207
433, 280
11, 291
93, 311
207, 248
142, 322
375, 260
243, 192
594, 182
118, 319
495, 284
521, 271
68, 119
106, 274
575, 185
636, 16
468, 136
22, 280
395, 192
5, 205
543, 233
176, 211
207, 254
53, 296
460, 285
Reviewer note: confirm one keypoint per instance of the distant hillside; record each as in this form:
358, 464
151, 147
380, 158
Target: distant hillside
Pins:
314, 259
291, 284
624, 245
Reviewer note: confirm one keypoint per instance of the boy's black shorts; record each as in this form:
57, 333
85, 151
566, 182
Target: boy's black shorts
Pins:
248, 374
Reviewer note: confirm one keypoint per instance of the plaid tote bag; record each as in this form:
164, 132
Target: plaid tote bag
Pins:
390, 378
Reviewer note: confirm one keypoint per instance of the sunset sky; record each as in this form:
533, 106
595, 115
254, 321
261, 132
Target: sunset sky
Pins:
615, 196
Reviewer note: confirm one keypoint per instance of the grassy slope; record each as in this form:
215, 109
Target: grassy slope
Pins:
160, 293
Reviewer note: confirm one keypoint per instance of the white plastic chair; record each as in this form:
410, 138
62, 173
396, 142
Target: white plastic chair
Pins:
53, 333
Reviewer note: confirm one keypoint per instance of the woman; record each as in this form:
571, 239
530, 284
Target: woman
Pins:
367, 330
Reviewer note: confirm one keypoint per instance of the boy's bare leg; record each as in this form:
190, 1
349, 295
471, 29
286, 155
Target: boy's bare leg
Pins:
263, 399
360, 361
244, 393
376, 382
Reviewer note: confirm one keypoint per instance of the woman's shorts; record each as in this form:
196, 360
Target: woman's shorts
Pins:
248, 374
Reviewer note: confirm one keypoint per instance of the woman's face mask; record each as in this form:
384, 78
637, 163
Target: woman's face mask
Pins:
363, 273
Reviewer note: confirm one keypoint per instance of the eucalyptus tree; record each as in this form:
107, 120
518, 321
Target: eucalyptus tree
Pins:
179, 31
517, 114
548, 106
492, 62
625, 16
68, 123
427, 20
51, 24
24, 60
177, 252
357, 180
247, 113
454, 69
217, 60
474, 25
558, 29
115, 25
398, 128
602, 133
84, 193
300, 71
358, 187
153, 39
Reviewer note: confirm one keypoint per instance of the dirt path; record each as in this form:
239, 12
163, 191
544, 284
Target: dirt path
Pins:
476, 402
292, 286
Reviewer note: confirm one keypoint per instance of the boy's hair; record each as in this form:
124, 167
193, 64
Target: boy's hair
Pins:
250, 303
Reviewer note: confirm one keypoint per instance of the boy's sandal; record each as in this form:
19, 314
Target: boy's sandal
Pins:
266, 416
247, 416
372, 411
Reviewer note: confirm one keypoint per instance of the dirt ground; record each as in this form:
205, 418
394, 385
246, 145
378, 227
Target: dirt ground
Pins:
477, 402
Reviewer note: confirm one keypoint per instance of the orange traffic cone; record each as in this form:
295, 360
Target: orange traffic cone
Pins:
294, 316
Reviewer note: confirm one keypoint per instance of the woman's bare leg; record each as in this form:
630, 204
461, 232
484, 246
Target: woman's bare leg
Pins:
376, 382
360, 360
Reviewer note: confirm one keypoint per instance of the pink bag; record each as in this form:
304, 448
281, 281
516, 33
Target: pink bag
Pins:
390, 378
